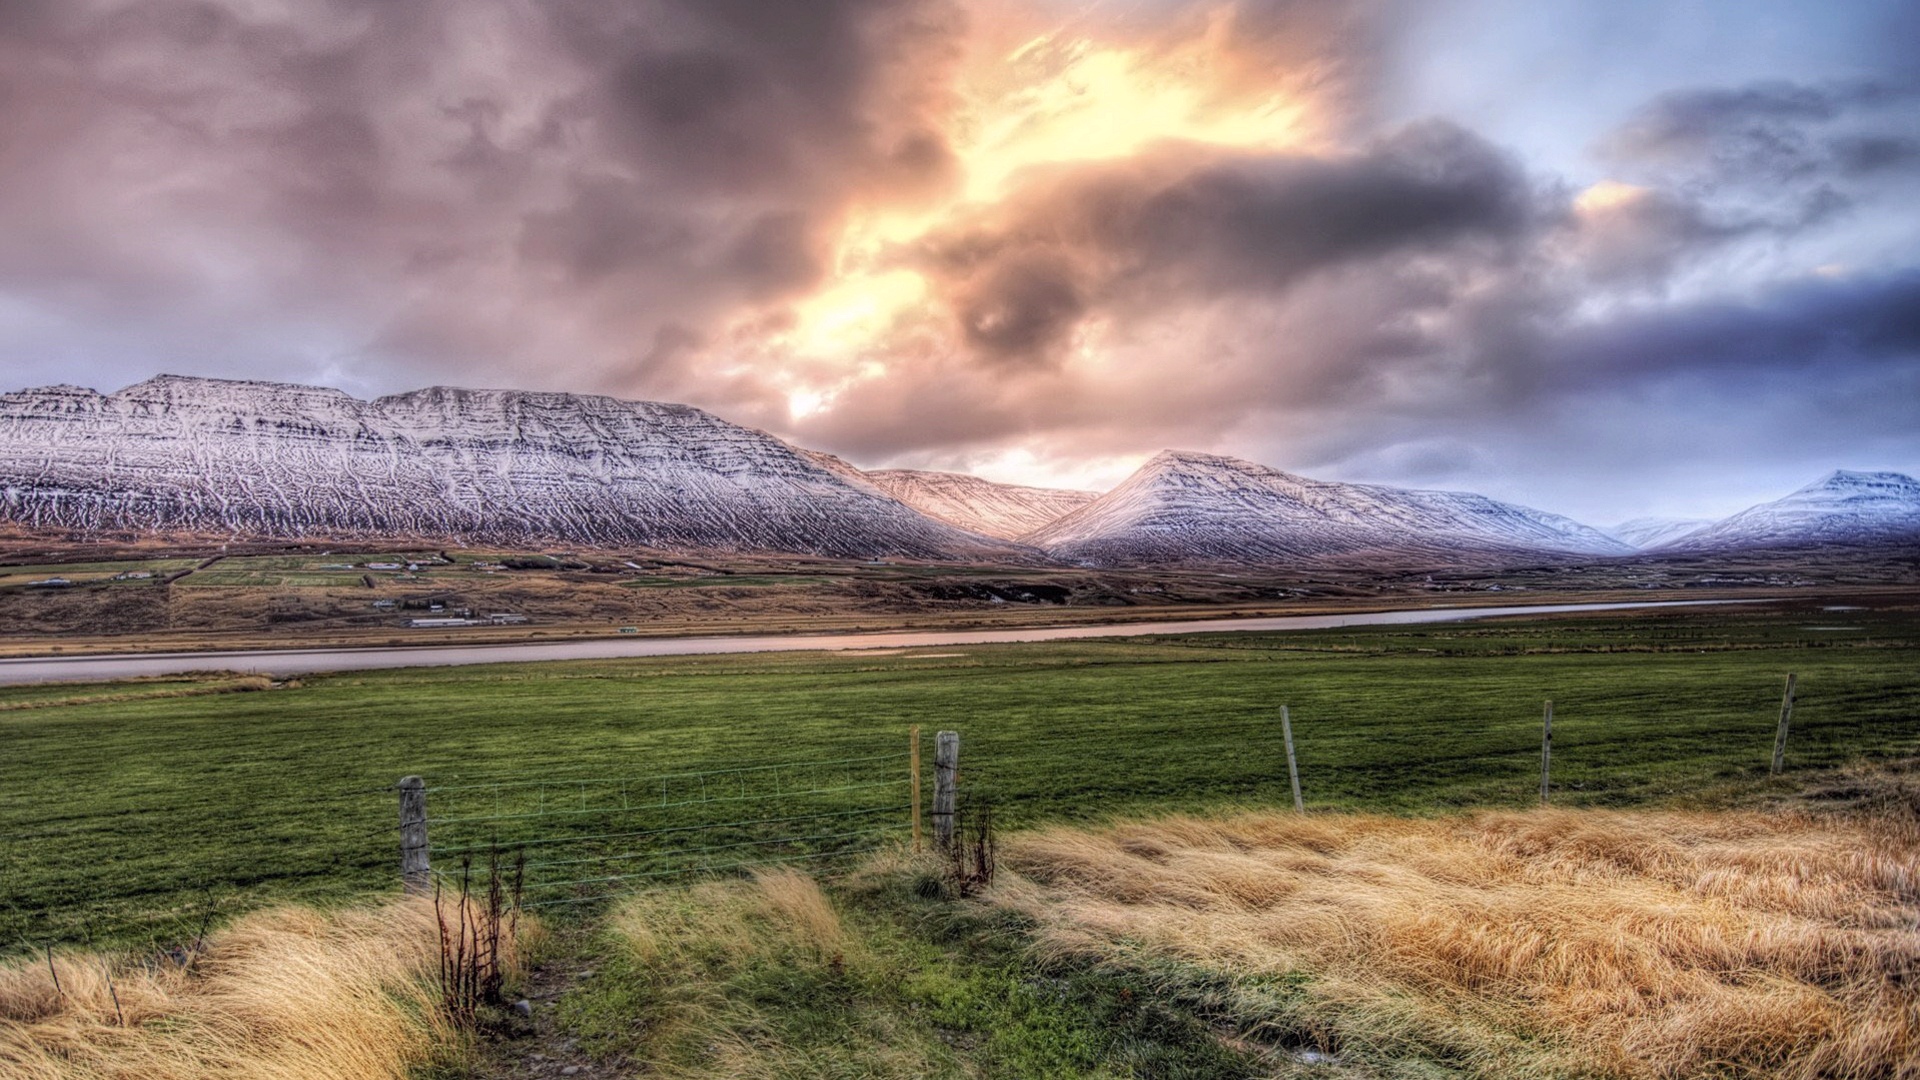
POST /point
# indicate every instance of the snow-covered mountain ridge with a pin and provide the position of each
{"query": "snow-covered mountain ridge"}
(1185, 507)
(1841, 508)
(221, 456)
(208, 456)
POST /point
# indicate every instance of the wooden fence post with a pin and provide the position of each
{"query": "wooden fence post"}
(414, 877)
(1293, 769)
(1546, 752)
(946, 769)
(913, 773)
(1780, 737)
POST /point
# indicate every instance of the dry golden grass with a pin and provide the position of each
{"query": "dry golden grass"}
(240, 685)
(288, 994)
(776, 912)
(1525, 944)
(706, 968)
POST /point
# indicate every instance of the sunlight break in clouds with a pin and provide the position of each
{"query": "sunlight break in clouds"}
(1060, 97)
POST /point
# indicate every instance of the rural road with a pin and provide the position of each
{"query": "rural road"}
(285, 662)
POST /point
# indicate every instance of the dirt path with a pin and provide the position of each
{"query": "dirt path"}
(533, 1044)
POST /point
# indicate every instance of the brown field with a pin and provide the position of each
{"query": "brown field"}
(208, 594)
(1548, 943)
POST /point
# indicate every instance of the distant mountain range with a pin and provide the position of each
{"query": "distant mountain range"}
(253, 459)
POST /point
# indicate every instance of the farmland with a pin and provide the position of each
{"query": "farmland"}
(222, 792)
(190, 595)
(154, 812)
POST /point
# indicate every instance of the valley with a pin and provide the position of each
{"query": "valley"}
(143, 596)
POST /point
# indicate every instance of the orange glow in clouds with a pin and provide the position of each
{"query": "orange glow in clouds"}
(1058, 98)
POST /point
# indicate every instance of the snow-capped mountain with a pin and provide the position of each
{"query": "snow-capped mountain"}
(266, 459)
(1189, 507)
(1007, 511)
(1842, 508)
(1651, 532)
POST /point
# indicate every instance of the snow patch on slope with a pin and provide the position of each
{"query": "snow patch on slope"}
(1008, 511)
(1652, 532)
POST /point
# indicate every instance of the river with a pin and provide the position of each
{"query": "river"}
(285, 662)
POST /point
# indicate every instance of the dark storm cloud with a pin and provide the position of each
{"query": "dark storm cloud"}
(1021, 306)
(1819, 146)
(1827, 328)
(1637, 237)
(1185, 225)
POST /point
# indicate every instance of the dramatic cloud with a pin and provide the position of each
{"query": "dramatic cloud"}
(1180, 225)
(1007, 234)
(1777, 131)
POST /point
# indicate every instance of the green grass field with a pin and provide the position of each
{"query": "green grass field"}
(160, 799)
(91, 572)
(266, 571)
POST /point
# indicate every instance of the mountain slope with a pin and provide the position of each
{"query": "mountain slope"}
(1842, 508)
(1187, 507)
(1008, 511)
(250, 458)
(1652, 532)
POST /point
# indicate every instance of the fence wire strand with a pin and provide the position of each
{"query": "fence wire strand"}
(661, 831)
(481, 819)
(679, 852)
(715, 868)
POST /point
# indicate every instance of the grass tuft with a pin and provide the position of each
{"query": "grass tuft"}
(1550, 942)
(285, 994)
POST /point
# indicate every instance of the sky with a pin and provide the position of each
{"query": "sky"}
(1610, 258)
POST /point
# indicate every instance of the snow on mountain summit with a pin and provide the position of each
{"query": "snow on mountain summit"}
(1183, 506)
(507, 466)
(1844, 507)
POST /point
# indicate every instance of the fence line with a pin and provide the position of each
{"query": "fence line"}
(652, 836)
(473, 849)
(657, 777)
(656, 874)
(631, 855)
(641, 828)
(630, 807)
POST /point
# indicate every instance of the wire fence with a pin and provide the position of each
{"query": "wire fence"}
(585, 839)
(155, 876)
(160, 874)
(153, 867)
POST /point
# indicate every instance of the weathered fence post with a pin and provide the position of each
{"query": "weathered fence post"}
(1546, 752)
(413, 834)
(1293, 769)
(946, 771)
(913, 773)
(1780, 737)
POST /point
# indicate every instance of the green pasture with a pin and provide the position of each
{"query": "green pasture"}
(91, 572)
(157, 800)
